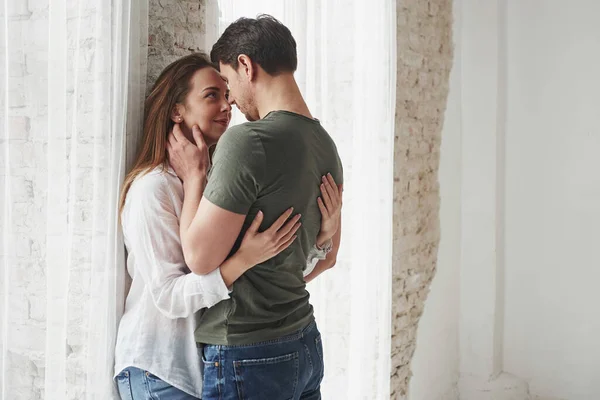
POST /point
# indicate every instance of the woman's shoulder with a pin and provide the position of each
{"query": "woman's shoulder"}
(151, 179)
(152, 184)
(149, 199)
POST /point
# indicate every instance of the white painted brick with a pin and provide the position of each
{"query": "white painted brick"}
(36, 6)
(16, 94)
(19, 127)
(37, 308)
(18, 305)
(16, 68)
(21, 375)
(31, 336)
(21, 187)
(18, 9)
(35, 35)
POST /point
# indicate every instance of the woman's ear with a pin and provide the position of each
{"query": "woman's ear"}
(176, 113)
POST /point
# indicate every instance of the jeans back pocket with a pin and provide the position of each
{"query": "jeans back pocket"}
(267, 378)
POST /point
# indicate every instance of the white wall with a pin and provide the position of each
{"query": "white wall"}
(520, 187)
(435, 362)
(552, 298)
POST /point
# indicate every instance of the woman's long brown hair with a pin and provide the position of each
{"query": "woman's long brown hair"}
(171, 88)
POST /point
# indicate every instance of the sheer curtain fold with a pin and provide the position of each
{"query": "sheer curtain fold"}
(346, 71)
(73, 76)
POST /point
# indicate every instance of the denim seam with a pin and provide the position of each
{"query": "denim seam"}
(319, 342)
(239, 384)
(297, 362)
(147, 385)
(220, 374)
(307, 350)
(127, 383)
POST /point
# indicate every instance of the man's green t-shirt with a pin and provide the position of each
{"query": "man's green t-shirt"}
(269, 165)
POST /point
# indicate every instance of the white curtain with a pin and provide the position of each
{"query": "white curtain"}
(347, 70)
(72, 73)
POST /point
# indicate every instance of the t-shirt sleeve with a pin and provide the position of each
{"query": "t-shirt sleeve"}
(238, 170)
(337, 170)
(339, 179)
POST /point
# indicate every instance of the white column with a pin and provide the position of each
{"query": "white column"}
(482, 53)
(483, 62)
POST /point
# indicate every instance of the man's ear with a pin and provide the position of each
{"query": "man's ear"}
(246, 67)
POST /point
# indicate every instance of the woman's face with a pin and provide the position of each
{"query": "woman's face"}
(206, 105)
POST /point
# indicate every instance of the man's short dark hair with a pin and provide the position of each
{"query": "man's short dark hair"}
(265, 40)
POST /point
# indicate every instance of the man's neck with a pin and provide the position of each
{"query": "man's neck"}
(281, 93)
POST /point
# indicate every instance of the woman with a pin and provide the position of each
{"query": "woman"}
(156, 355)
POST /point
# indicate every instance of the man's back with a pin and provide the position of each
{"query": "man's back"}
(269, 165)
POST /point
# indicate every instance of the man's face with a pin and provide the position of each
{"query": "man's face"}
(240, 91)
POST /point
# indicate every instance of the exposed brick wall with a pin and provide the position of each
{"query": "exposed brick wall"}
(175, 28)
(424, 53)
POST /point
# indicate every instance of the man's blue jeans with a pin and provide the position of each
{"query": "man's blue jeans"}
(288, 368)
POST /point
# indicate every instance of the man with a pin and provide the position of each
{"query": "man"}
(263, 343)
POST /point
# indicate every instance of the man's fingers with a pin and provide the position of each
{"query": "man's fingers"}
(178, 134)
(172, 140)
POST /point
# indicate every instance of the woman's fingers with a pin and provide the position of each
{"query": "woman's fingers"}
(253, 228)
(332, 190)
(324, 212)
(325, 196)
(281, 220)
(285, 245)
(289, 234)
(288, 227)
(334, 186)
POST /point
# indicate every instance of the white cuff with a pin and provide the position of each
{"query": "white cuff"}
(210, 287)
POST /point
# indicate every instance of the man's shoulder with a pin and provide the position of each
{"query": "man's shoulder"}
(243, 129)
(242, 136)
